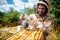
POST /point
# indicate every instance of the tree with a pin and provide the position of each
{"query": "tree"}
(1, 16)
(29, 11)
(8, 18)
(55, 10)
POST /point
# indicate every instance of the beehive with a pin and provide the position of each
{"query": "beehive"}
(27, 34)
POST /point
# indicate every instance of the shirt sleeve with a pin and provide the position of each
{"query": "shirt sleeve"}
(49, 24)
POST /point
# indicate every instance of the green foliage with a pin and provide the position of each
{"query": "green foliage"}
(10, 17)
(29, 11)
(1, 16)
(13, 15)
(55, 10)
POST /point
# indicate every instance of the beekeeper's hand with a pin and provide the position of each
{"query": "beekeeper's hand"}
(25, 24)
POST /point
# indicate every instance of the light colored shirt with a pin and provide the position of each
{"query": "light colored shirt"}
(46, 25)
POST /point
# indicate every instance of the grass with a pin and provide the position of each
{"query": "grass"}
(53, 35)
(5, 35)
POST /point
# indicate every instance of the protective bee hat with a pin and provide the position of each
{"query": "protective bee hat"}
(44, 2)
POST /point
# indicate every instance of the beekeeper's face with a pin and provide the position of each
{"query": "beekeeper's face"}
(41, 9)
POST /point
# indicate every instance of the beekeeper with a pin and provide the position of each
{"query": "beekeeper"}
(41, 19)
